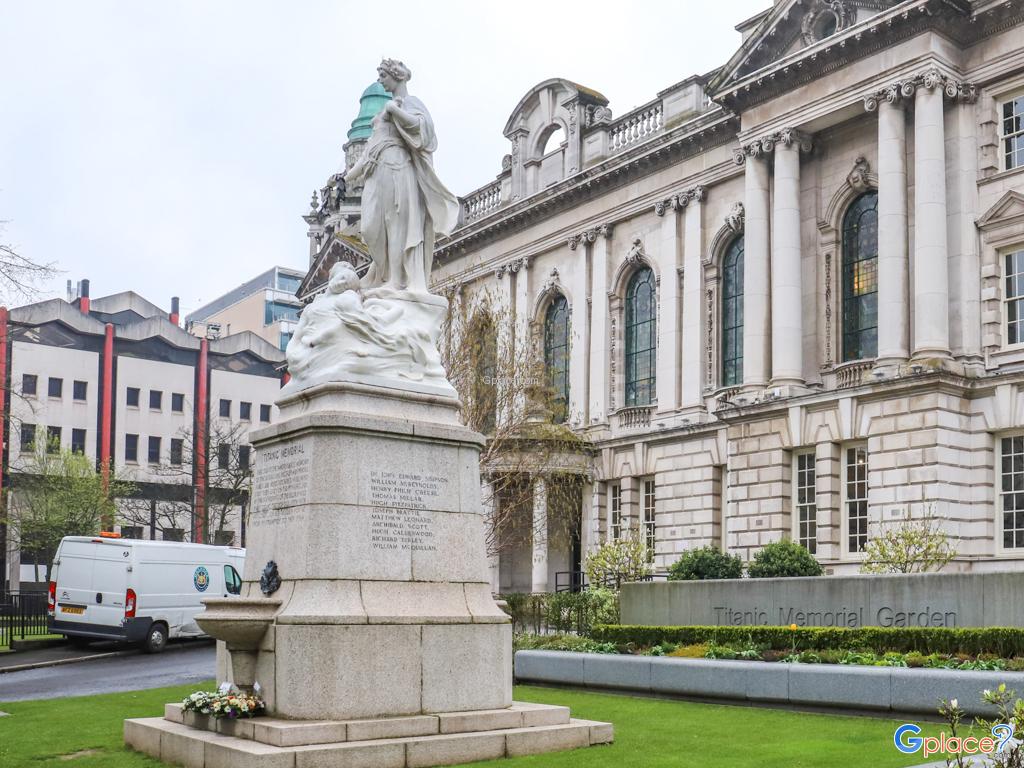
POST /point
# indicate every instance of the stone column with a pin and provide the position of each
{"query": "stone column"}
(588, 520)
(667, 383)
(693, 243)
(893, 268)
(931, 270)
(599, 325)
(523, 318)
(580, 332)
(506, 334)
(539, 582)
(787, 290)
(965, 286)
(756, 339)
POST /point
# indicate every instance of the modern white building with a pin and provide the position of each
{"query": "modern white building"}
(116, 379)
(782, 299)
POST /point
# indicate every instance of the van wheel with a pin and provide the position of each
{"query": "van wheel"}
(156, 639)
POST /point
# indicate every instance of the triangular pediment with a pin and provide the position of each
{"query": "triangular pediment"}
(789, 27)
(1007, 208)
(339, 247)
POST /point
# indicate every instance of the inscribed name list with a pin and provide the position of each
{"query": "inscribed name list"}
(280, 482)
(399, 519)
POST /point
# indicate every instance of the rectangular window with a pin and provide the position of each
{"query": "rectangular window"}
(53, 439)
(857, 498)
(177, 449)
(154, 450)
(224, 456)
(156, 399)
(244, 411)
(131, 448)
(648, 518)
(244, 452)
(225, 408)
(28, 438)
(1011, 491)
(285, 339)
(265, 413)
(131, 532)
(1013, 296)
(131, 397)
(78, 390)
(275, 310)
(78, 441)
(174, 534)
(615, 511)
(1012, 133)
(177, 402)
(805, 502)
(55, 387)
(29, 382)
(224, 538)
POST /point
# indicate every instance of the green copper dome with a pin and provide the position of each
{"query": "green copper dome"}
(370, 104)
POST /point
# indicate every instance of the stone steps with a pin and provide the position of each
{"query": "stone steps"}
(416, 741)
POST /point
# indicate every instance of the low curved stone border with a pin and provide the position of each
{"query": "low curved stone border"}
(887, 689)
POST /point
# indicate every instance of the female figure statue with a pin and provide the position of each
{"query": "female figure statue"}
(404, 203)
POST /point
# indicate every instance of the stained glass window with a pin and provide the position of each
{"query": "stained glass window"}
(641, 338)
(732, 314)
(556, 356)
(860, 279)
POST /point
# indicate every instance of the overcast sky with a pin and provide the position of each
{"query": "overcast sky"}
(171, 148)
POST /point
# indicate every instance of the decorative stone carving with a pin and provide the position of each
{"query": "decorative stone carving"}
(858, 177)
(522, 263)
(816, 19)
(931, 78)
(735, 219)
(709, 337)
(680, 201)
(574, 240)
(606, 230)
(828, 309)
(601, 116)
(790, 136)
(552, 284)
(636, 252)
(506, 162)
(270, 579)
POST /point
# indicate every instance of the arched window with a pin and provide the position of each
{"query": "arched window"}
(641, 338)
(732, 314)
(860, 278)
(556, 356)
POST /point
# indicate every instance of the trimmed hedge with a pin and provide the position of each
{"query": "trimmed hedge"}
(1006, 642)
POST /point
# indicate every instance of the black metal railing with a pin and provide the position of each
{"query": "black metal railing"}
(22, 615)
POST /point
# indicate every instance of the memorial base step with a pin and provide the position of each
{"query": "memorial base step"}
(416, 741)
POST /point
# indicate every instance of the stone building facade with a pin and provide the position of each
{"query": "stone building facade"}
(792, 283)
(791, 288)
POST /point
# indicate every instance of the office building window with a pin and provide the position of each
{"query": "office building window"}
(805, 501)
(131, 532)
(244, 410)
(177, 449)
(177, 402)
(265, 413)
(53, 439)
(154, 450)
(131, 448)
(1011, 491)
(856, 488)
(244, 453)
(28, 438)
(224, 538)
(174, 534)
(79, 389)
(615, 511)
(131, 397)
(156, 399)
(55, 387)
(78, 441)
(648, 518)
(225, 408)
(224, 456)
(29, 383)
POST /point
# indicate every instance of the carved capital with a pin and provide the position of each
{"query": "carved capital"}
(501, 271)
(697, 194)
(793, 136)
(589, 236)
(574, 240)
(661, 206)
(606, 230)
(739, 156)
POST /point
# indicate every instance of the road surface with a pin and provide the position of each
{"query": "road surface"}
(188, 663)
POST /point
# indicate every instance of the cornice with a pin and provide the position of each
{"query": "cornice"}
(708, 131)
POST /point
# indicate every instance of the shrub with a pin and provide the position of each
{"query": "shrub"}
(1004, 642)
(783, 558)
(561, 643)
(705, 563)
(698, 651)
(579, 611)
(619, 561)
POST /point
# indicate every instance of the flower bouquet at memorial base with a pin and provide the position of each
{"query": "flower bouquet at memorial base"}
(228, 703)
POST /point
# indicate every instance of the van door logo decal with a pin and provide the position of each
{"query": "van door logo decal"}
(201, 579)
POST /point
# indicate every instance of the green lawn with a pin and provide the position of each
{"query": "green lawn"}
(86, 733)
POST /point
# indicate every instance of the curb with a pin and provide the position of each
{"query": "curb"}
(92, 657)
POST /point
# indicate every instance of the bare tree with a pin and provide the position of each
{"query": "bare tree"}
(20, 276)
(503, 385)
(229, 483)
(909, 545)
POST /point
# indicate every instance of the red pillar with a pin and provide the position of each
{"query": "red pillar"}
(106, 412)
(199, 440)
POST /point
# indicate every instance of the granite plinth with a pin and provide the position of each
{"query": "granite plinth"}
(197, 741)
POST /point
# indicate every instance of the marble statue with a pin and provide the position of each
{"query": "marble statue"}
(386, 325)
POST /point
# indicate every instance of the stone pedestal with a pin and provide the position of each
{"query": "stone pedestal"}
(367, 500)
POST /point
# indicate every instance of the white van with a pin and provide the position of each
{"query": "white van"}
(138, 591)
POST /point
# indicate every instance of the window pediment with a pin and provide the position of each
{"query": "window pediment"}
(1007, 212)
